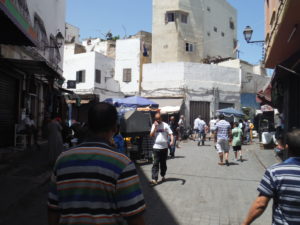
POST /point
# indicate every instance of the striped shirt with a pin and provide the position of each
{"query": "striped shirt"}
(282, 183)
(93, 184)
(223, 128)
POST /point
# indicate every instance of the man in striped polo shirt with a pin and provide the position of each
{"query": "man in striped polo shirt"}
(281, 182)
(93, 183)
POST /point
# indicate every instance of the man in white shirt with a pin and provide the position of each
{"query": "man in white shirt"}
(196, 125)
(201, 131)
(160, 131)
(212, 127)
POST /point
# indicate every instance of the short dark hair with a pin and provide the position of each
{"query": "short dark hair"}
(293, 141)
(221, 117)
(236, 124)
(102, 117)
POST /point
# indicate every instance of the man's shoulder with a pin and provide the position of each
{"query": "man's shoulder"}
(97, 150)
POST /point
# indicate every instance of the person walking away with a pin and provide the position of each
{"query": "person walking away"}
(237, 135)
(196, 125)
(212, 127)
(223, 133)
(280, 183)
(55, 139)
(201, 131)
(173, 126)
(247, 131)
(160, 132)
(181, 126)
(251, 126)
(93, 183)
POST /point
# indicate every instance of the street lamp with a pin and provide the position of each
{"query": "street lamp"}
(59, 39)
(248, 31)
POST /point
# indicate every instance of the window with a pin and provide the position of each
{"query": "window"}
(208, 33)
(52, 50)
(126, 75)
(189, 47)
(184, 18)
(235, 43)
(208, 8)
(80, 76)
(223, 34)
(170, 17)
(39, 27)
(215, 29)
(231, 24)
(98, 76)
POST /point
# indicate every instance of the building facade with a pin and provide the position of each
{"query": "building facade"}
(30, 64)
(92, 72)
(283, 55)
(193, 30)
(131, 55)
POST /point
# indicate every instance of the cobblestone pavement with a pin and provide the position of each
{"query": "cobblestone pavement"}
(198, 191)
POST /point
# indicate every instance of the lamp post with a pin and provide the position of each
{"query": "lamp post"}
(248, 32)
(59, 39)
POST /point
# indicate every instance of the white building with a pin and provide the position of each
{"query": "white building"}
(131, 54)
(31, 62)
(72, 34)
(203, 88)
(105, 47)
(92, 71)
(192, 30)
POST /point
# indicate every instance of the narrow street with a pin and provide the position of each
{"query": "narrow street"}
(198, 191)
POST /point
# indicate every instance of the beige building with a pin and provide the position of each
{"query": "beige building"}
(192, 30)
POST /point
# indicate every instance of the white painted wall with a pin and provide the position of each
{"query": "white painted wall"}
(72, 32)
(192, 82)
(53, 15)
(128, 57)
(258, 75)
(90, 61)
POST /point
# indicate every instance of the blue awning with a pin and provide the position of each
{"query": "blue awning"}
(229, 112)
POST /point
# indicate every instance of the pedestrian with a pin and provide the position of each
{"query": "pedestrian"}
(201, 131)
(247, 131)
(251, 127)
(181, 126)
(196, 125)
(237, 135)
(31, 130)
(223, 133)
(212, 127)
(93, 183)
(160, 132)
(281, 183)
(55, 139)
(119, 141)
(173, 125)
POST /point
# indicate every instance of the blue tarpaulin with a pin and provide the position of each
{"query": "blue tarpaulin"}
(137, 101)
(132, 102)
(229, 112)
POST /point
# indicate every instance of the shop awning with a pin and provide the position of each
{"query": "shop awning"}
(264, 96)
(32, 67)
(169, 105)
(15, 28)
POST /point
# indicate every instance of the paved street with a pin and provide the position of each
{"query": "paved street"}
(198, 191)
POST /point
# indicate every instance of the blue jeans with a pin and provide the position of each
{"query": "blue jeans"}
(172, 148)
(201, 137)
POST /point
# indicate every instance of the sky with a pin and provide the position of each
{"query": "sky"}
(127, 17)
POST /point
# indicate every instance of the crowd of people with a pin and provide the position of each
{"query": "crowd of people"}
(94, 183)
